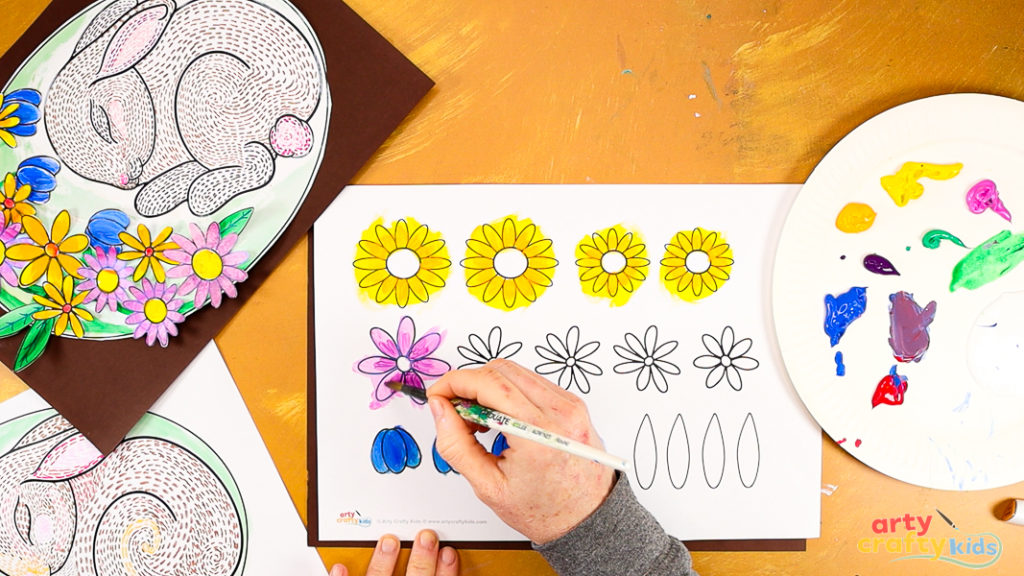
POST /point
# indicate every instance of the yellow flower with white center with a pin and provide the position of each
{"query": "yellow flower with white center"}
(509, 263)
(612, 264)
(696, 264)
(402, 263)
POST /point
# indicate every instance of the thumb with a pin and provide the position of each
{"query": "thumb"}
(459, 447)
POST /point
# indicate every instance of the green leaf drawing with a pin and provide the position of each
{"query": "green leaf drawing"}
(34, 343)
(235, 223)
(17, 320)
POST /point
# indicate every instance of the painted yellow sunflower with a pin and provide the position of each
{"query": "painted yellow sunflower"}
(402, 263)
(15, 200)
(63, 304)
(51, 252)
(696, 264)
(612, 264)
(511, 258)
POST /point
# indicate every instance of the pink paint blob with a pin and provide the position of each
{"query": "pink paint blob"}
(985, 196)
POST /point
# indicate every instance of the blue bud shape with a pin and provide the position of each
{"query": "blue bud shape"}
(500, 444)
(393, 451)
(104, 226)
(25, 95)
(440, 463)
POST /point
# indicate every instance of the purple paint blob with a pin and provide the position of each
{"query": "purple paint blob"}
(842, 310)
(908, 327)
(879, 265)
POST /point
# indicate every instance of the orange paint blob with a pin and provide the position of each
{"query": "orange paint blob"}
(855, 217)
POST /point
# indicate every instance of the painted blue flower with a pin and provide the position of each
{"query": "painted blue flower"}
(440, 463)
(394, 450)
(500, 444)
(19, 113)
(105, 226)
(40, 174)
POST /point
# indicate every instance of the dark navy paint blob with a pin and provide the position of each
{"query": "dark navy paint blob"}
(393, 451)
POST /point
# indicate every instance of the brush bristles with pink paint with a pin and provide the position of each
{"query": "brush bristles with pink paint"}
(477, 414)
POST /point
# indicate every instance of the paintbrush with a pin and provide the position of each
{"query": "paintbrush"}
(510, 426)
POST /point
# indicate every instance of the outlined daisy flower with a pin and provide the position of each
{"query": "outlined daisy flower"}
(569, 360)
(16, 203)
(696, 264)
(154, 312)
(19, 113)
(612, 263)
(148, 251)
(403, 358)
(51, 252)
(509, 263)
(208, 264)
(105, 279)
(62, 304)
(647, 359)
(401, 264)
(480, 352)
(725, 359)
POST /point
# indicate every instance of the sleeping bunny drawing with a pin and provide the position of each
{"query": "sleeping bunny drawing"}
(190, 103)
(149, 507)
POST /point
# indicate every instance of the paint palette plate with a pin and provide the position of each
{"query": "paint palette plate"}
(957, 424)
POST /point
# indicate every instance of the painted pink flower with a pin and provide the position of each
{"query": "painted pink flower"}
(8, 235)
(105, 279)
(154, 311)
(403, 359)
(207, 264)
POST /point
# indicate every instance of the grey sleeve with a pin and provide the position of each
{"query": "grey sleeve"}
(621, 537)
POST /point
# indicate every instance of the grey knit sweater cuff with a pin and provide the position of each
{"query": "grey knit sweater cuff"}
(621, 537)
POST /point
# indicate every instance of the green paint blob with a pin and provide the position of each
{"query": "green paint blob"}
(932, 238)
(989, 261)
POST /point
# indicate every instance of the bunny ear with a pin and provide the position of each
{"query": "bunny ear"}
(72, 457)
(103, 21)
(135, 38)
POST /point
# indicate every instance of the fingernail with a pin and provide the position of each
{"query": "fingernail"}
(448, 556)
(338, 570)
(427, 539)
(388, 545)
(437, 409)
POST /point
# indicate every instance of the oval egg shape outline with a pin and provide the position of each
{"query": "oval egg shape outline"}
(677, 453)
(748, 452)
(713, 453)
(645, 454)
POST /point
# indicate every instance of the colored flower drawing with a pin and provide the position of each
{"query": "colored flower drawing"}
(404, 358)
(696, 264)
(19, 113)
(401, 264)
(154, 312)
(105, 279)
(480, 352)
(207, 264)
(9, 232)
(568, 359)
(612, 264)
(62, 304)
(51, 252)
(647, 359)
(16, 203)
(148, 251)
(509, 263)
(39, 173)
(725, 359)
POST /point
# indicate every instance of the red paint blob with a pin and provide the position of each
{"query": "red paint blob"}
(890, 389)
(857, 443)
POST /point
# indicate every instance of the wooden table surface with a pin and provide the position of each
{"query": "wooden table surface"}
(648, 92)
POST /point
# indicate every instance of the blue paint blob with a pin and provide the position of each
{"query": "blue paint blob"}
(440, 463)
(393, 451)
(500, 444)
(842, 310)
(840, 367)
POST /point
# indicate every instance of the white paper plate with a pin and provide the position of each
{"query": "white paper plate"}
(962, 420)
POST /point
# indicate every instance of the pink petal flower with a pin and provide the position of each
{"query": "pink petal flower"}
(376, 365)
(425, 346)
(433, 367)
(384, 342)
(406, 335)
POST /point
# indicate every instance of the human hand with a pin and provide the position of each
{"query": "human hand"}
(426, 558)
(538, 490)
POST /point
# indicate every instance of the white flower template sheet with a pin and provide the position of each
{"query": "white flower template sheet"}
(681, 376)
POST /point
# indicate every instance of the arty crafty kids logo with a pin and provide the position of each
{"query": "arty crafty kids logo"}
(916, 537)
(353, 518)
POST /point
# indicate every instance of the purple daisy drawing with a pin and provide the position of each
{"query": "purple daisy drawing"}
(8, 235)
(207, 264)
(154, 311)
(105, 278)
(404, 359)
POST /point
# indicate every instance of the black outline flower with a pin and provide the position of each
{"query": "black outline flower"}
(480, 352)
(726, 359)
(569, 358)
(647, 359)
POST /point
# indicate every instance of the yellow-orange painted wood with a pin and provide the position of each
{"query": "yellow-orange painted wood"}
(646, 91)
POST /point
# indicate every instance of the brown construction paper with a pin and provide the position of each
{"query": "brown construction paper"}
(373, 87)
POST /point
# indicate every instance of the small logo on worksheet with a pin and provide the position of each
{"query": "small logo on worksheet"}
(354, 518)
(914, 537)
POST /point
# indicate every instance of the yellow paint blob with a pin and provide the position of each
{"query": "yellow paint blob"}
(903, 186)
(855, 217)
